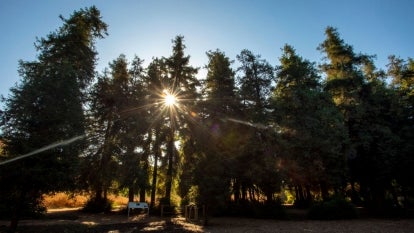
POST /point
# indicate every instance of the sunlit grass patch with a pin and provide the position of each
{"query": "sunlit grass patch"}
(64, 200)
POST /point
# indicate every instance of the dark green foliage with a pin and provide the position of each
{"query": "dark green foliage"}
(370, 115)
(30, 207)
(332, 209)
(312, 133)
(255, 84)
(182, 82)
(241, 139)
(402, 73)
(220, 90)
(119, 129)
(46, 108)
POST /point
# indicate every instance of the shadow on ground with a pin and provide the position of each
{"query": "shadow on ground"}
(155, 227)
(117, 222)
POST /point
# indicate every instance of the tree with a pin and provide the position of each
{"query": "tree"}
(205, 153)
(311, 128)
(402, 84)
(364, 102)
(182, 83)
(47, 107)
(138, 122)
(255, 84)
(345, 82)
(115, 99)
(154, 85)
(220, 90)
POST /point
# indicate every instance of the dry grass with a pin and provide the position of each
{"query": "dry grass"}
(64, 200)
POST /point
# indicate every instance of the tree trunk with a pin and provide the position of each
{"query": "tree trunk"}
(296, 193)
(156, 151)
(251, 194)
(131, 193)
(236, 192)
(142, 194)
(105, 194)
(168, 182)
(154, 181)
(15, 217)
(243, 192)
(98, 192)
(145, 166)
(308, 194)
(269, 197)
(324, 190)
(300, 192)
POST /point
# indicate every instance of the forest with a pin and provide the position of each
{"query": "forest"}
(251, 137)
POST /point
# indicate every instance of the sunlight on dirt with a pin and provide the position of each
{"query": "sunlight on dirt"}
(187, 225)
(155, 226)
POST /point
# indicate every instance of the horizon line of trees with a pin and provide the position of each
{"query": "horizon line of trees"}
(240, 135)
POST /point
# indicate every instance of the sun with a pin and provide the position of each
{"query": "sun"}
(169, 99)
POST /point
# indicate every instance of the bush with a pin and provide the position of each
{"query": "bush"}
(336, 208)
(28, 208)
(94, 205)
(302, 204)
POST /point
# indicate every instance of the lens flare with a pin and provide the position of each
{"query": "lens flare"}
(169, 99)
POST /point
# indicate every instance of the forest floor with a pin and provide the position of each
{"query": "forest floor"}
(72, 220)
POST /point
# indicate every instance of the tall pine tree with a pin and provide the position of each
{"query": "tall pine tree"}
(47, 107)
(311, 127)
(182, 83)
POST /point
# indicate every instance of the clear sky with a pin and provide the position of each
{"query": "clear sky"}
(146, 28)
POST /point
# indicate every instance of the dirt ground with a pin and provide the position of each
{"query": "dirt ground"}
(70, 220)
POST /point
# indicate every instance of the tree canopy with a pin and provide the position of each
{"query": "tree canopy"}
(248, 135)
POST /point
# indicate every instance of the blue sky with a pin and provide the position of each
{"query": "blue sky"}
(146, 28)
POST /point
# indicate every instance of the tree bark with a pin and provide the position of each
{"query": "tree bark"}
(154, 181)
(142, 194)
(15, 217)
(156, 151)
(131, 193)
(168, 182)
(324, 190)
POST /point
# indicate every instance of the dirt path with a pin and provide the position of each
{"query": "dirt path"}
(230, 225)
(72, 220)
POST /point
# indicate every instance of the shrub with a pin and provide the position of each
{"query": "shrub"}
(94, 205)
(28, 208)
(302, 204)
(336, 208)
